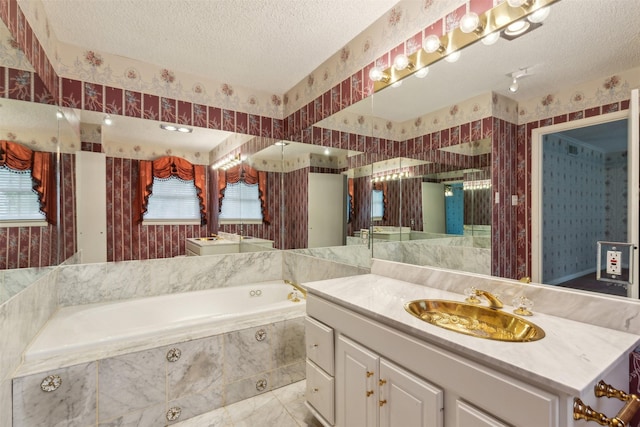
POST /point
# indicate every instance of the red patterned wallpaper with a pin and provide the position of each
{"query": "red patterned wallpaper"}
(296, 207)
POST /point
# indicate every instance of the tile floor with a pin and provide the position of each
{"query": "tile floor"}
(282, 407)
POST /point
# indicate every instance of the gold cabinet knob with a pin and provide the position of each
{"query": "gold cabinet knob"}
(382, 382)
(369, 393)
(382, 402)
(369, 374)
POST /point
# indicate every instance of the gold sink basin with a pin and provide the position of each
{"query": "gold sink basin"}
(475, 320)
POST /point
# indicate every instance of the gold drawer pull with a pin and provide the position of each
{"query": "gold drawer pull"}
(369, 393)
(316, 389)
(369, 374)
(382, 402)
(382, 382)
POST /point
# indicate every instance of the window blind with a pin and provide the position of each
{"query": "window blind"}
(241, 202)
(18, 201)
(173, 198)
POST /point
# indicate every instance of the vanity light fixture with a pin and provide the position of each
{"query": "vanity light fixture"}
(327, 151)
(107, 120)
(487, 27)
(174, 128)
(514, 86)
(227, 162)
(390, 177)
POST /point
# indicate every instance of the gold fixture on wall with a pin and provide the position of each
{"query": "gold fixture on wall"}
(581, 411)
(436, 48)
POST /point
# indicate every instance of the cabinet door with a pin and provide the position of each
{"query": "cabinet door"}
(357, 385)
(407, 400)
(468, 416)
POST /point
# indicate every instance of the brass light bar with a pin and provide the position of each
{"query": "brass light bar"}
(495, 19)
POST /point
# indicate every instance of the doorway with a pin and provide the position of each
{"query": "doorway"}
(582, 173)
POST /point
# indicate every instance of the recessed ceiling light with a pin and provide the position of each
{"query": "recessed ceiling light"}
(108, 121)
(281, 144)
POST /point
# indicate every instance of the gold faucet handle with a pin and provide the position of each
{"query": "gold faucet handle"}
(603, 389)
(471, 295)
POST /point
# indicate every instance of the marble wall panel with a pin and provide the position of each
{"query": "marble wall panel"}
(247, 353)
(72, 404)
(287, 342)
(131, 382)
(153, 416)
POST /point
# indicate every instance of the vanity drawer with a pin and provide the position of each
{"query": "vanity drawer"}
(319, 342)
(319, 392)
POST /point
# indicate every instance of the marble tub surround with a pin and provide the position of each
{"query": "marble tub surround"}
(352, 255)
(607, 311)
(100, 282)
(15, 280)
(570, 358)
(457, 253)
(21, 317)
(196, 376)
(307, 265)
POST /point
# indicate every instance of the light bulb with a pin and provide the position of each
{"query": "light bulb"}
(516, 3)
(422, 72)
(107, 120)
(539, 15)
(452, 57)
(514, 86)
(376, 74)
(397, 84)
(469, 22)
(432, 43)
(490, 39)
(401, 62)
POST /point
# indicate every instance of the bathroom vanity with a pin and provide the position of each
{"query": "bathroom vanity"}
(371, 363)
(228, 245)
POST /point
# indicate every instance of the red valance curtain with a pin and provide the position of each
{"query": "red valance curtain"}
(248, 175)
(166, 167)
(382, 186)
(18, 157)
(351, 193)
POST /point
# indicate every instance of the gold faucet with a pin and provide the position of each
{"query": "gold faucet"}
(293, 296)
(494, 302)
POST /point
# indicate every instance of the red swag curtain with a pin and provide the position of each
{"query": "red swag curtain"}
(166, 167)
(249, 175)
(18, 157)
(351, 193)
(382, 186)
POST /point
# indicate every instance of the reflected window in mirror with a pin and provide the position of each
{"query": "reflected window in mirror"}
(18, 201)
(174, 181)
(27, 186)
(242, 195)
(241, 203)
(173, 199)
(377, 205)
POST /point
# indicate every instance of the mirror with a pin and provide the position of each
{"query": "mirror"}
(29, 252)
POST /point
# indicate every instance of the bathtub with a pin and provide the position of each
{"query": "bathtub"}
(95, 329)
(151, 360)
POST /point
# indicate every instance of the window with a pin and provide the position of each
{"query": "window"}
(173, 200)
(241, 203)
(377, 204)
(18, 201)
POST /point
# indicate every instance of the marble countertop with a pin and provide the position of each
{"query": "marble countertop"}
(571, 358)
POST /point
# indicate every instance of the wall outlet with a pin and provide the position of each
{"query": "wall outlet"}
(614, 262)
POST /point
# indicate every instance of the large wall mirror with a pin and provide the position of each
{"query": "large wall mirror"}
(437, 178)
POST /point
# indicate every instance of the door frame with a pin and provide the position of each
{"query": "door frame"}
(536, 181)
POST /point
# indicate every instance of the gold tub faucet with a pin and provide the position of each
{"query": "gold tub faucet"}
(293, 296)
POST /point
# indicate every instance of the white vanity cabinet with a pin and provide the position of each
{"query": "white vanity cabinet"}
(388, 378)
(372, 391)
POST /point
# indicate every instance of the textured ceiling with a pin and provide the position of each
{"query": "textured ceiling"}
(268, 45)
